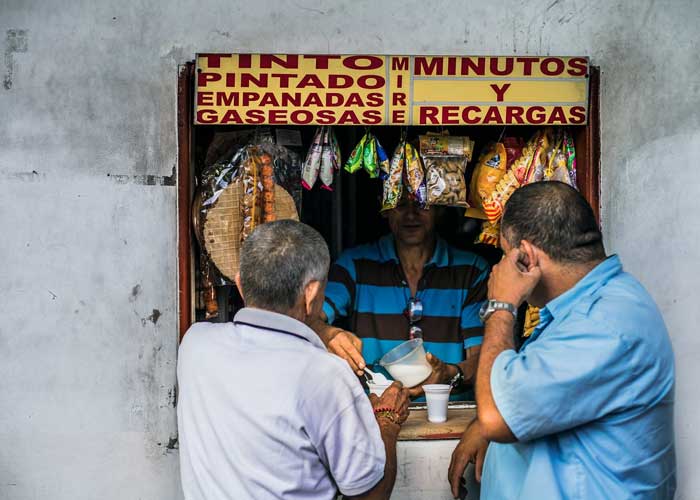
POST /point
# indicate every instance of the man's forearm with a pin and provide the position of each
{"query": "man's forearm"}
(382, 490)
(498, 337)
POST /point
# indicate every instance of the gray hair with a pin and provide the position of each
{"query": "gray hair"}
(278, 260)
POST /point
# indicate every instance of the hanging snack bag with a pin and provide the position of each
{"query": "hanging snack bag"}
(445, 158)
(490, 169)
(327, 170)
(354, 162)
(393, 178)
(312, 165)
(489, 233)
(415, 175)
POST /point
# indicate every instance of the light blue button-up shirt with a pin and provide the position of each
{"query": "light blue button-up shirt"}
(589, 397)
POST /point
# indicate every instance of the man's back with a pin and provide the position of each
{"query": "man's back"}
(590, 398)
(263, 410)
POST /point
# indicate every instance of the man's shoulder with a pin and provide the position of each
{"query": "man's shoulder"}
(460, 257)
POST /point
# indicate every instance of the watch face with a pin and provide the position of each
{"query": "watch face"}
(483, 309)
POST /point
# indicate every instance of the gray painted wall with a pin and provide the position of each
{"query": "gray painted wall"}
(88, 334)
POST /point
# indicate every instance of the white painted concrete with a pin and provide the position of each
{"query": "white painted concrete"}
(85, 375)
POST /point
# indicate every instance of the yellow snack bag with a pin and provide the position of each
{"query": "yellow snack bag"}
(490, 169)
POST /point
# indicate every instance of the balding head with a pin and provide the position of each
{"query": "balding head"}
(556, 218)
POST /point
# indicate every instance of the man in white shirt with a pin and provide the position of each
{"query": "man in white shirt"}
(264, 411)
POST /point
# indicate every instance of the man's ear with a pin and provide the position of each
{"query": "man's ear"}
(529, 254)
(311, 293)
(237, 280)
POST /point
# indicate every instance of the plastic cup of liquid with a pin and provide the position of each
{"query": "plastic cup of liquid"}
(437, 396)
(406, 363)
(378, 389)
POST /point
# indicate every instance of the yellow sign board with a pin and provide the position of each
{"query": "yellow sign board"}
(294, 89)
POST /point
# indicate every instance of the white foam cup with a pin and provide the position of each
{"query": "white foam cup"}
(437, 396)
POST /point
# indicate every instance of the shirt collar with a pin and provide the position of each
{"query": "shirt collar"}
(590, 283)
(440, 257)
(275, 321)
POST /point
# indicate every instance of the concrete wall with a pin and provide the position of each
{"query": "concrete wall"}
(88, 254)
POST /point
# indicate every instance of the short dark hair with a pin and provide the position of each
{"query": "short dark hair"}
(557, 219)
(278, 260)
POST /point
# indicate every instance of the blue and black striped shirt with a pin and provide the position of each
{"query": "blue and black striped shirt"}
(367, 287)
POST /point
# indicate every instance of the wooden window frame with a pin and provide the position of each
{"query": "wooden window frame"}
(587, 141)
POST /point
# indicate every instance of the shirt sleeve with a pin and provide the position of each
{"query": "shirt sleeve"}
(345, 432)
(471, 328)
(563, 379)
(340, 290)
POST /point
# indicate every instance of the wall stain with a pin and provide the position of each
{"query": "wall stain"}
(145, 180)
(153, 318)
(15, 42)
(135, 292)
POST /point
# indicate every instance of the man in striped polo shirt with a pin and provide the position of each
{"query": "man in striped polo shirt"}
(409, 283)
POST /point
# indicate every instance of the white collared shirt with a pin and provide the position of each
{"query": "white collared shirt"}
(265, 412)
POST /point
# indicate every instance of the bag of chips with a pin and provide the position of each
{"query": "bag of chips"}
(445, 180)
(490, 169)
(393, 177)
(489, 233)
(415, 175)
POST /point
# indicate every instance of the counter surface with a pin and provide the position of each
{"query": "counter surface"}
(417, 426)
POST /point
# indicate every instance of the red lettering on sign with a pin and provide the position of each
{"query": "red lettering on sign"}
(422, 67)
(277, 117)
(269, 99)
(310, 81)
(557, 116)
(399, 63)
(231, 116)
(354, 99)
(493, 115)
(249, 97)
(339, 81)
(535, 115)
(348, 116)
(260, 81)
(290, 61)
(363, 81)
(451, 66)
(514, 114)
(527, 64)
(372, 62)
(371, 117)
(578, 115)
(205, 98)
(375, 99)
(428, 114)
(558, 66)
(230, 79)
(291, 99)
(301, 117)
(500, 91)
(450, 115)
(325, 117)
(578, 66)
(255, 116)
(213, 60)
(204, 78)
(494, 66)
(313, 100)
(399, 81)
(226, 98)
(477, 68)
(283, 79)
(398, 99)
(333, 99)
(245, 61)
(398, 116)
(466, 114)
(321, 61)
(206, 116)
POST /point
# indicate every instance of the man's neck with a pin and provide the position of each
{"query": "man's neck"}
(414, 257)
(567, 277)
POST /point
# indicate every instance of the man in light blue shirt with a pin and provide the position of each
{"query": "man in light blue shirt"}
(584, 410)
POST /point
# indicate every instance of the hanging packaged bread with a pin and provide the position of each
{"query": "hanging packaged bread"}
(237, 198)
(445, 160)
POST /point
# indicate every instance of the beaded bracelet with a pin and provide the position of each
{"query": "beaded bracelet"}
(388, 413)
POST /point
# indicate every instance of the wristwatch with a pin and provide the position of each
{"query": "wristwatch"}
(492, 306)
(458, 379)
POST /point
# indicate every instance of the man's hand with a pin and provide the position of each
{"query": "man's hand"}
(513, 279)
(471, 449)
(349, 347)
(395, 398)
(442, 374)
